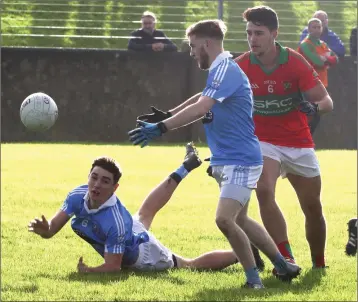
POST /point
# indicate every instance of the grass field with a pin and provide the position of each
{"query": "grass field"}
(37, 177)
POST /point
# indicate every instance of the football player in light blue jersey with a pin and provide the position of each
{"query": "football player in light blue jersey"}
(123, 240)
(236, 160)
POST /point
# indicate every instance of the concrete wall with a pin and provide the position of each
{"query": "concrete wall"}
(100, 92)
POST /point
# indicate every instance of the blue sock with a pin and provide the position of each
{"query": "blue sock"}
(179, 174)
(252, 276)
(280, 263)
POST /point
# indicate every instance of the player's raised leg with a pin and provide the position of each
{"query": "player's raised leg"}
(308, 191)
(270, 212)
(161, 194)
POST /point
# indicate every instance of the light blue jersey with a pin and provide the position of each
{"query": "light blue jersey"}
(229, 125)
(107, 229)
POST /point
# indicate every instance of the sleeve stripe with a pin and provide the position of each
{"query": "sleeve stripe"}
(120, 225)
(219, 71)
(219, 75)
(117, 249)
(117, 223)
(210, 92)
(120, 219)
(116, 219)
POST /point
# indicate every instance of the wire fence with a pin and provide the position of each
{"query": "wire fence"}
(109, 23)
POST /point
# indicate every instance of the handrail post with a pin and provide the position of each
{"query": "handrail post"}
(221, 9)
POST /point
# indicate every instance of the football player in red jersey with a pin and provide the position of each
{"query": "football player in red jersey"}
(286, 91)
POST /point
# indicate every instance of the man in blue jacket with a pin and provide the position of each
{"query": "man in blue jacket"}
(328, 36)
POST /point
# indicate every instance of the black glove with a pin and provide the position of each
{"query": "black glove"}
(308, 108)
(209, 170)
(155, 117)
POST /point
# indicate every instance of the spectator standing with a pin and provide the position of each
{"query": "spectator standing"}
(318, 54)
(148, 38)
(331, 38)
(316, 51)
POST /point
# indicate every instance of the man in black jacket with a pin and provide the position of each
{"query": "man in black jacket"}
(148, 38)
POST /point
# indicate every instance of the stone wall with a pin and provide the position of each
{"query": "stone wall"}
(100, 92)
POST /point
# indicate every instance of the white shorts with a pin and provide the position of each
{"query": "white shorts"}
(298, 161)
(153, 256)
(237, 182)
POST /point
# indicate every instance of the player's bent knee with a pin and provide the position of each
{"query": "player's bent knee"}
(224, 224)
(241, 221)
(313, 209)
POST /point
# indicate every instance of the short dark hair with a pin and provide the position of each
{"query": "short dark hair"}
(214, 29)
(262, 16)
(110, 165)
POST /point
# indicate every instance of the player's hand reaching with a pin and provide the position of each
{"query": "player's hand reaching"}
(81, 266)
(39, 227)
(308, 108)
(155, 117)
(146, 132)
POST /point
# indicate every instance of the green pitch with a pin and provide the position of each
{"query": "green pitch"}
(35, 179)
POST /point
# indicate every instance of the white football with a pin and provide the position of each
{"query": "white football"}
(38, 112)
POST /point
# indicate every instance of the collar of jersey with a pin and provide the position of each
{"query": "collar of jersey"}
(109, 203)
(222, 56)
(282, 58)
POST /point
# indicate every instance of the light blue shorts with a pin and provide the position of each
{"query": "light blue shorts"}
(237, 182)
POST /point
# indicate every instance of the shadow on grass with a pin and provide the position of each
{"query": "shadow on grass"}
(20, 287)
(122, 276)
(305, 283)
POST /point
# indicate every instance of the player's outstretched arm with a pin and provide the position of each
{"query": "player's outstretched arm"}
(47, 229)
(158, 115)
(112, 264)
(190, 114)
(146, 132)
(162, 193)
(185, 104)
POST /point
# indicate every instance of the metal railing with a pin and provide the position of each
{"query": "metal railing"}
(38, 20)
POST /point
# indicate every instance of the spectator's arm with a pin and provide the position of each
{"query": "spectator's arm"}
(311, 55)
(168, 44)
(303, 34)
(353, 42)
(135, 44)
(336, 45)
(332, 59)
